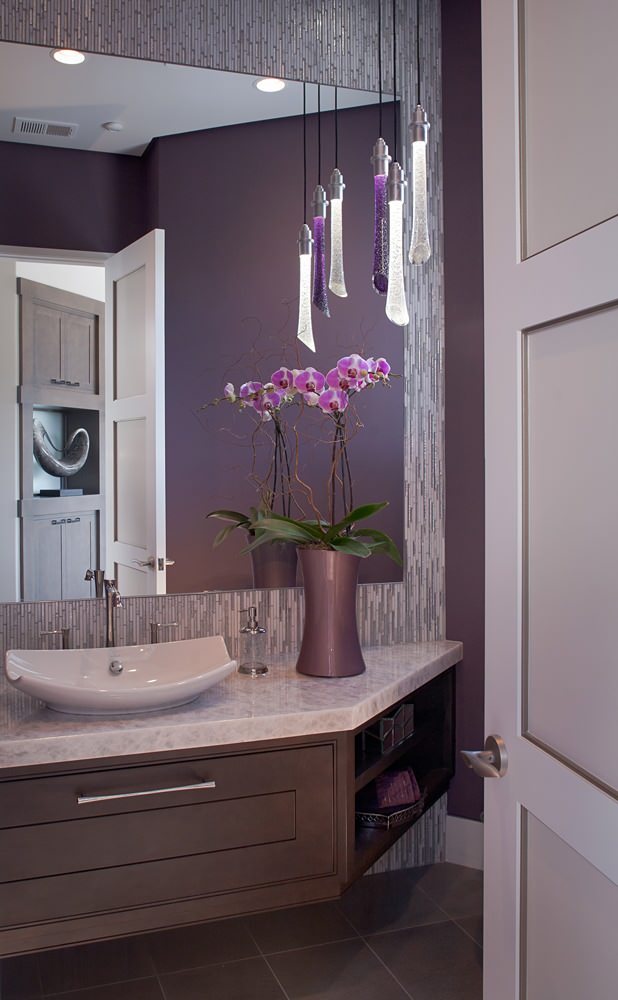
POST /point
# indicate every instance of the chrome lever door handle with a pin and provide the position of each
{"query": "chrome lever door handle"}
(492, 762)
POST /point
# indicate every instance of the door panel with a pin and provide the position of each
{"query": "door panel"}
(570, 558)
(130, 350)
(135, 415)
(130, 474)
(551, 489)
(564, 895)
(46, 357)
(79, 552)
(570, 155)
(79, 354)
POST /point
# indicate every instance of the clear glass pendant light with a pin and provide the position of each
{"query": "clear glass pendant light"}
(304, 331)
(420, 247)
(396, 305)
(380, 161)
(305, 326)
(336, 281)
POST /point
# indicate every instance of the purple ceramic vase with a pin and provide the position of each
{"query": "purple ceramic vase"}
(330, 646)
(274, 565)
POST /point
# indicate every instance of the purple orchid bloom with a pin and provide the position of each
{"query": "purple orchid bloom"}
(250, 390)
(354, 368)
(270, 399)
(333, 401)
(229, 392)
(311, 398)
(337, 381)
(378, 370)
(309, 380)
(283, 379)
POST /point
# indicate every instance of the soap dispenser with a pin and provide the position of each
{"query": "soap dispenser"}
(252, 646)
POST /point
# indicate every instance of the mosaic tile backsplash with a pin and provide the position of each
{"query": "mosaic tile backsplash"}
(318, 41)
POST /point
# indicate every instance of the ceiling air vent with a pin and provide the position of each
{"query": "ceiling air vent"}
(37, 126)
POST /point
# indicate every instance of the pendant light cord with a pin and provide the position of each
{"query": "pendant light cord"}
(395, 78)
(319, 134)
(418, 51)
(305, 151)
(336, 130)
(380, 64)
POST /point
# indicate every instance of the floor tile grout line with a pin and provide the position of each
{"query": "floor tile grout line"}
(268, 965)
(96, 986)
(388, 969)
(463, 929)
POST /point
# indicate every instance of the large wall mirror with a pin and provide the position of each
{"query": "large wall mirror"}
(94, 157)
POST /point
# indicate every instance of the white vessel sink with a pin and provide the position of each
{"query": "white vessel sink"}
(120, 680)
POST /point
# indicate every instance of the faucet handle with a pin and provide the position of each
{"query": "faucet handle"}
(155, 628)
(64, 632)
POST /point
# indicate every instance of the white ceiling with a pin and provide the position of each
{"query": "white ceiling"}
(150, 99)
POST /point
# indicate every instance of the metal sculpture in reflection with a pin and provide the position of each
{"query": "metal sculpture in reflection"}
(65, 461)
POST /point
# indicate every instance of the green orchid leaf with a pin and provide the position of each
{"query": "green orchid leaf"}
(230, 515)
(351, 546)
(382, 542)
(358, 514)
(309, 530)
(223, 534)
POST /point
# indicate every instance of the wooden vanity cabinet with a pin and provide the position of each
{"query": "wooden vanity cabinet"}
(121, 846)
(86, 854)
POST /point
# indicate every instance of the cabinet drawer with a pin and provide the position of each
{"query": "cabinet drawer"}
(30, 801)
(270, 819)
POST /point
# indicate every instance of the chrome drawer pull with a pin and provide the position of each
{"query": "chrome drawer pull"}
(83, 800)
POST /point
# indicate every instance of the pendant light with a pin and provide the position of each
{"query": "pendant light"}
(319, 205)
(305, 243)
(336, 281)
(380, 162)
(420, 248)
(396, 306)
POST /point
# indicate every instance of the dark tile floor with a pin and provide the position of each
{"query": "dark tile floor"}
(413, 934)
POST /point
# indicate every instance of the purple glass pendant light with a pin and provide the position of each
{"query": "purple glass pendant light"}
(319, 205)
(380, 162)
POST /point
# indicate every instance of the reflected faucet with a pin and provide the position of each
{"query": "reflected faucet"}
(98, 575)
(112, 600)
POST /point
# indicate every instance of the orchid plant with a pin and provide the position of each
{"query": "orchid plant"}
(330, 393)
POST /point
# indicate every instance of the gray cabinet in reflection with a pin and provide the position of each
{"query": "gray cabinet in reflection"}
(57, 551)
(59, 338)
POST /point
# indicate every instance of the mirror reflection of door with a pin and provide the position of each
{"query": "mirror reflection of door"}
(54, 527)
(59, 348)
(135, 416)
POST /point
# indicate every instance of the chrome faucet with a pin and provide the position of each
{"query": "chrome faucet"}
(156, 627)
(98, 575)
(65, 632)
(112, 600)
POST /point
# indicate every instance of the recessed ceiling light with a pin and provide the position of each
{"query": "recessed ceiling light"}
(113, 126)
(270, 84)
(68, 57)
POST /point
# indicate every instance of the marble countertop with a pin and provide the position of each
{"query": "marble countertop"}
(238, 710)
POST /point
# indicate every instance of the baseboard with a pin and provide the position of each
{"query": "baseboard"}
(464, 842)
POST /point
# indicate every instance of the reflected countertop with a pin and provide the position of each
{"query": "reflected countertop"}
(240, 709)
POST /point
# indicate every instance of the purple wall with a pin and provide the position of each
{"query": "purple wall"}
(230, 201)
(463, 276)
(70, 199)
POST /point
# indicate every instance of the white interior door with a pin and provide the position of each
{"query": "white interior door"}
(550, 76)
(135, 416)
